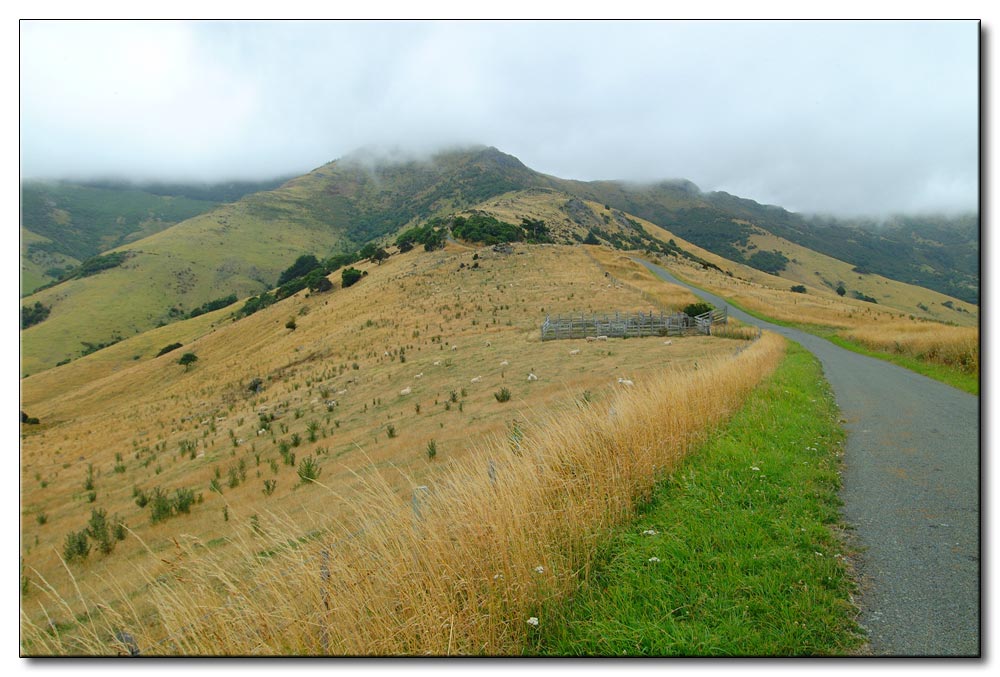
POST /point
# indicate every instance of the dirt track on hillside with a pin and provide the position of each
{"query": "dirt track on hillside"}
(911, 493)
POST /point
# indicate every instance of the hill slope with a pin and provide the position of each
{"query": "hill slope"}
(241, 248)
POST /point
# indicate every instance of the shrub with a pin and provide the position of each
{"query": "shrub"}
(291, 324)
(308, 469)
(160, 506)
(99, 529)
(769, 262)
(303, 265)
(183, 499)
(76, 546)
(799, 289)
(213, 305)
(696, 309)
(349, 276)
(432, 450)
(32, 315)
(502, 395)
(187, 359)
(269, 486)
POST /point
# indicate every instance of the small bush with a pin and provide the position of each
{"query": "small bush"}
(696, 309)
(502, 395)
(308, 469)
(168, 348)
(160, 506)
(349, 276)
(183, 499)
(799, 289)
(432, 450)
(76, 546)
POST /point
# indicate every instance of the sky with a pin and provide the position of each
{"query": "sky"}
(841, 117)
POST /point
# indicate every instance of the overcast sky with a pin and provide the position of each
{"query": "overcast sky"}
(839, 117)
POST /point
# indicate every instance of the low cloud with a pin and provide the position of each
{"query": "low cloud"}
(840, 117)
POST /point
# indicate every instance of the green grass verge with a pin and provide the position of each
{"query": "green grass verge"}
(745, 559)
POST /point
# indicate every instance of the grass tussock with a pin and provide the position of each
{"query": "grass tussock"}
(484, 543)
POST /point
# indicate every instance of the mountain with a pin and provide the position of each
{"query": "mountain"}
(241, 248)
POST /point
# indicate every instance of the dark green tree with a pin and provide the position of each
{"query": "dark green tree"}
(32, 315)
(187, 359)
(302, 266)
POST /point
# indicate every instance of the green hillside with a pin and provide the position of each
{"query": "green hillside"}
(940, 253)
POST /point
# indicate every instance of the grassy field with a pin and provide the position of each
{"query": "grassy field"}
(737, 553)
(452, 329)
(948, 352)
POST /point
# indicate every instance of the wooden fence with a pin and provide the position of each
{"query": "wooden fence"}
(628, 325)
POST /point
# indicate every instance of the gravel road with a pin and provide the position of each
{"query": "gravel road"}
(911, 493)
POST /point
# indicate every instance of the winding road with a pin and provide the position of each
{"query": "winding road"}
(911, 494)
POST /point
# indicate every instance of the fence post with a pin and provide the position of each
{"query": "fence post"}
(415, 502)
(324, 576)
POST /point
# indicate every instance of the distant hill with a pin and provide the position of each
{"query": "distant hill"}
(64, 223)
(940, 253)
(241, 248)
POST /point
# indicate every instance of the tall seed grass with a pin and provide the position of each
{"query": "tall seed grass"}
(457, 570)
(955, 347)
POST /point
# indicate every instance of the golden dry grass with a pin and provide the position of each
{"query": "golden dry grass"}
(512, 524)
(151, 411)
(956, 347)
(875, 326)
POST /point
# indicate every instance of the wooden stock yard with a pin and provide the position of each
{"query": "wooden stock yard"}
(627, 325)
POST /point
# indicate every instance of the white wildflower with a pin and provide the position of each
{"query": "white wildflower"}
(539, 569)
(649, 532)
(533, 621)
(654, 559)
(755, 468)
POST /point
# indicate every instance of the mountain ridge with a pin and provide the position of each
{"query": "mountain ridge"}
(239, 248)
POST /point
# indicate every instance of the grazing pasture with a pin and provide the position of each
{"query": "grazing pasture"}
(274, 437)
